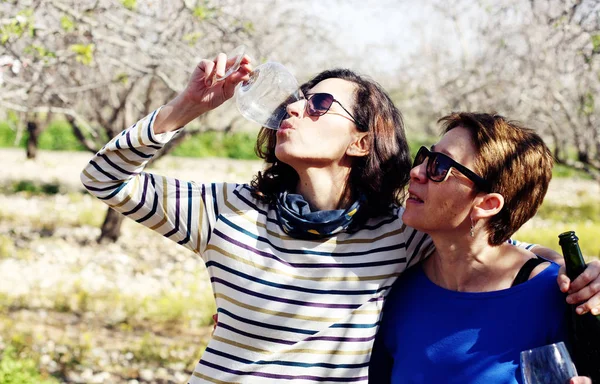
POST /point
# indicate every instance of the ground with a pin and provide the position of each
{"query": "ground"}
(135, 311)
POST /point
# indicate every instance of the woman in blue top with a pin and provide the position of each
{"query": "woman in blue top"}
(464, 314)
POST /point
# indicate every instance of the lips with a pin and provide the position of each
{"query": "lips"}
(414, 197)
(285, 124)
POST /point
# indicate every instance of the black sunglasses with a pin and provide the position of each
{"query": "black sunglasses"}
(317, 104)
(439, 166)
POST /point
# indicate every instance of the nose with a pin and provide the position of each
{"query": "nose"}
(296, 108)
(419, 173)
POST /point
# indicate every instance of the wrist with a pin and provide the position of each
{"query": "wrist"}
(176, 114)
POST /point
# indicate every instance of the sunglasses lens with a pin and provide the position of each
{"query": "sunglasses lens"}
(319, 103)
(420, 157)
(438, 167)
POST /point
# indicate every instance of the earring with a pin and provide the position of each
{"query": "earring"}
(472, 231)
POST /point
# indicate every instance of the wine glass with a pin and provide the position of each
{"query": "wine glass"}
(549, 364)
(263, 98)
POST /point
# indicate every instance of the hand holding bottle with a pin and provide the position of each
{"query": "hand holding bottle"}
(584, 330)
(583, 290)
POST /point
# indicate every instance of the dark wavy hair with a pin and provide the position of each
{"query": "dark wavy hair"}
(381, 176)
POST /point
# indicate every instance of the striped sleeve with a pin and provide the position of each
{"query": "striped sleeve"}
(175, 208)
(521, 244)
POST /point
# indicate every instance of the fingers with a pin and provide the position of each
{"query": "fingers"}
(221, 65)
(563, 281)
(585, 289)
(590, 302)
(217, 69)
(592, 272)
(205, 67)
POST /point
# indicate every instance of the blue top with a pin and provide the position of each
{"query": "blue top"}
(433, 335)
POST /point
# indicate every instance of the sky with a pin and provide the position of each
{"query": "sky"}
(386, 32)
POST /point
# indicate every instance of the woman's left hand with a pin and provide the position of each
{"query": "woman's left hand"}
(584, 290)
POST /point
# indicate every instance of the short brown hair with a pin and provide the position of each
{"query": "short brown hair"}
(514, 160)
(380, 176)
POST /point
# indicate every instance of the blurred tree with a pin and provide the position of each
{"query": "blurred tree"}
(537, 61)
(105, 63)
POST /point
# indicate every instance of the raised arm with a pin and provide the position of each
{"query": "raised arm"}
(179, 210)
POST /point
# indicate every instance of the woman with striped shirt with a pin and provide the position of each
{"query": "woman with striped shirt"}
(300, 259)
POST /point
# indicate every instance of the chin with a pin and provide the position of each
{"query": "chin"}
(281, 153)
(411, 219)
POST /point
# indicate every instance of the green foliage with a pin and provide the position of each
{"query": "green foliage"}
(218, 144)
(596, 42)
(35, 188)
(7, 247)
(204, 12)
(122, 78)
(8, 135)
(39, 52)
(85, 53)
(588, 104)
(151, 350)
(585, 211)
(67, 24)
(248, 26)
(563, 171)
(547, 235)
(580, 213)
(129, 4)
(417, 141)
(59, 137)
(192, 38)
(15, 370)
(22, 23)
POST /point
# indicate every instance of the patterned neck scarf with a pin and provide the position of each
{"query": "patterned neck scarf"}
(297, 220)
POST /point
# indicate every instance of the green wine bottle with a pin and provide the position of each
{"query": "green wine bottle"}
(584, 330)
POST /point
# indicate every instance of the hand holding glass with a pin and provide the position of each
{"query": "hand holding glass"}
(264, 97)
(550, 364)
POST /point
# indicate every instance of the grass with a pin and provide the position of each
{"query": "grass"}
(168, 311)
(58, 136)
(151, 349)
(585, 211)
(16, 369)
(546, 234)
(562, 171)
(580, 214)
(239, 145)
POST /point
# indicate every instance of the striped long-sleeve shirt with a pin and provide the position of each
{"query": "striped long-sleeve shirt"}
(290, 310)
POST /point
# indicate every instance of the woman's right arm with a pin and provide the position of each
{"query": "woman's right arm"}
(174, 208)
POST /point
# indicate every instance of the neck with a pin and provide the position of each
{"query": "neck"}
(469, 264)
(325, 188)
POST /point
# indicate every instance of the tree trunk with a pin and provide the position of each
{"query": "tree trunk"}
(111, 228)
(33, 131)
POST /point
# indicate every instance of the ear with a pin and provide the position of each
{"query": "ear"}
(487, 205)
(359, 147)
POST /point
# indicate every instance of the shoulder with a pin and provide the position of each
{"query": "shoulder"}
(238, 197)
(551, 267)
(543, 283)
